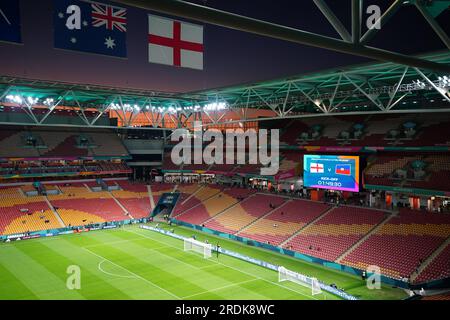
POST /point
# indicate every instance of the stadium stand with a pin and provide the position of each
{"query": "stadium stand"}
(412, 237)
(438, 268)
(214, 205)
(335, 232)
(195, 199)
(420, 171)
(437, 297)
(244, 213)
(283, 222)
(77, 204)
(160, 188)
(19, 213)
(375, 130)
(50, 142)
(134, 197)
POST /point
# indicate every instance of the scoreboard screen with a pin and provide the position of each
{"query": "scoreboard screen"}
(331, 172)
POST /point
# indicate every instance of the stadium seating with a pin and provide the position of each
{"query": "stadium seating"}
(411, 236)
(59, 143)
(432, 130)
(437, 297)
(197, 197)
(208, 208)
(335, 232)
(436, 176)
(12, 145)
(19, 213)
(438, 268)
(160, 188)
(78, 199)
(77, 218)
(284, 221)
(203, 205)
(244, 213)
(134, 197)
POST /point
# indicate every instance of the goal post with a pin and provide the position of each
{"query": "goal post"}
(309, 282)
(199, 247)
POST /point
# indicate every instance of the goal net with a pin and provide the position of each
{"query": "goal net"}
(197, 246)
(289, 275)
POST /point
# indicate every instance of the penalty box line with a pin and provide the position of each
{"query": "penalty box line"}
(225, 265)
(134, 274)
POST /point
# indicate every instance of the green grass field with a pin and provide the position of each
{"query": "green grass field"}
(132, 263)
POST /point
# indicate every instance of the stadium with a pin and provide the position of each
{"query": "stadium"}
(101, 200)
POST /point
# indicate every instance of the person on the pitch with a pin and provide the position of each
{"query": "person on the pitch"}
(218, 249)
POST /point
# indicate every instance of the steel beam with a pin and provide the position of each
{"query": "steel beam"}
(436, 27)
(300, 116)
(382, 21)
(276, 31)
(356, 21)
(334, 21)
(443, 92)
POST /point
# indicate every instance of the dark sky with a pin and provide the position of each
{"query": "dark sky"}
(231, 57)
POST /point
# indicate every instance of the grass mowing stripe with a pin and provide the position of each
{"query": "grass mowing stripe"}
(113, 274)
(161, 260)
(37, 278)
(115, 289)
(133, 287)
(110, 243)
(219, 288)
(13, 287)
(206, 279)
(92, 286)
(136, 246)
(350, 283)
(164, 272)
(228, 266)
(136, 275)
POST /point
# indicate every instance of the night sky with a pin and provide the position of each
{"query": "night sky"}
(231, 57)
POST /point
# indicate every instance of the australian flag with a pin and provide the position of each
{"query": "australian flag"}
(10, 21)
(91, 27)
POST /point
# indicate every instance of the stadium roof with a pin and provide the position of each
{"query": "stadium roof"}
(378, 86)
(374, 87)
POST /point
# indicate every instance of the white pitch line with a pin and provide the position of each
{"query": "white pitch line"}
(217, 289)
(26, 242)
(225, 265)
(118, 242)
(136, 275)
(166, 256)
(112, 274)
(205, 267)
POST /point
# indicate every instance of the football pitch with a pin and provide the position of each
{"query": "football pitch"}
(133, 263)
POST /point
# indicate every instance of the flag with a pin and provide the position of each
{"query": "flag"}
(90, 27)
(175, 43)
(10, 21)
(316, 167)
(344, 169)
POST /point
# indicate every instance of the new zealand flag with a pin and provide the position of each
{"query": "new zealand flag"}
(91, 27)
(10, 21)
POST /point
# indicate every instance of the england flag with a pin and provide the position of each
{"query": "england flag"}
(316, 167)
(175, 43)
